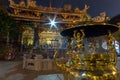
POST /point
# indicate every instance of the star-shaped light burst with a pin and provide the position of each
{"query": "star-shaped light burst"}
(52, 22)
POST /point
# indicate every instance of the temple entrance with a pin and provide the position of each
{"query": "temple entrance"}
(49, 41)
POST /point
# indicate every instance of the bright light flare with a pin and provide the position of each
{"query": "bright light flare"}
(52, 22)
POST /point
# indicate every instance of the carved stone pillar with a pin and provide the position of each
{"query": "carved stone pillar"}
(36, 36)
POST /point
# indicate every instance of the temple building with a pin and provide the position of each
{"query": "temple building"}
(58, 43)
(43, 31)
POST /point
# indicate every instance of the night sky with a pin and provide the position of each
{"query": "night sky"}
(111, 7)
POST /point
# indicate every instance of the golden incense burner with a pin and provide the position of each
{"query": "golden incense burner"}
(83, 64)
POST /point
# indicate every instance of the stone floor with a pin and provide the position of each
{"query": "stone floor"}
(12, 70)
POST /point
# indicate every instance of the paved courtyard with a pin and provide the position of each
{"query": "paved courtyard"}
(12, 70)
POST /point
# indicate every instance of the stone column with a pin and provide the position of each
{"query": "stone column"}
(36, 36)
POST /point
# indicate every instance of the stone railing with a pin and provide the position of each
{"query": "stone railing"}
(38, 63)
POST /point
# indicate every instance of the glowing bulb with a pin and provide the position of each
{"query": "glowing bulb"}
(52, 22)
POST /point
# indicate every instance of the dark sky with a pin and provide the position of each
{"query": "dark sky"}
(111, 7)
